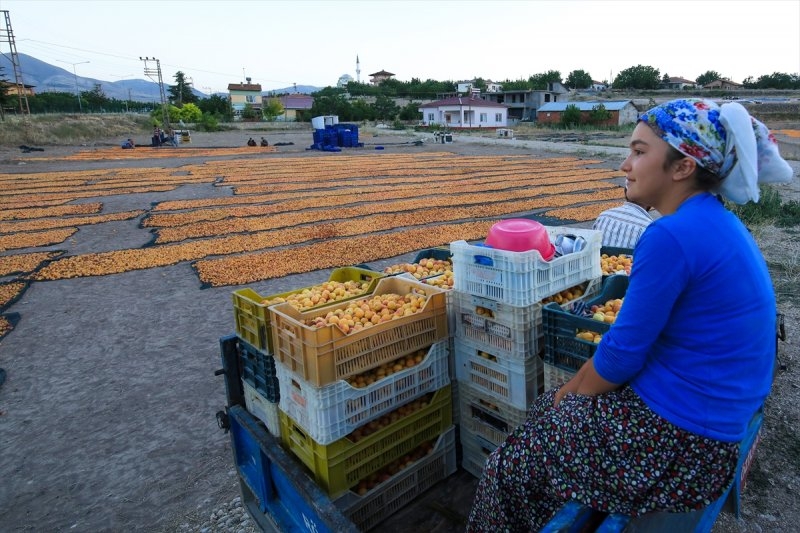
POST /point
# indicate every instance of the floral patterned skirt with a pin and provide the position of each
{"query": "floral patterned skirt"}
(609, 452)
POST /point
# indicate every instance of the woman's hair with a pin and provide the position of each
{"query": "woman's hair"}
(703, 178)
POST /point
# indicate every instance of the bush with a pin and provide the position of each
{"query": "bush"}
(571, 116)
(769, 210)
(398, 125)
(207, 122)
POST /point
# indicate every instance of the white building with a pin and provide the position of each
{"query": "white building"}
(464, 113)
(466, 87)
(344, 79)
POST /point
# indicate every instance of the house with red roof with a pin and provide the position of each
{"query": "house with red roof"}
(380, 76)
(294, 103)
(678, 83)
(461, 112)
(243, 94)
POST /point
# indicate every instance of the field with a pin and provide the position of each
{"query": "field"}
(117, 268)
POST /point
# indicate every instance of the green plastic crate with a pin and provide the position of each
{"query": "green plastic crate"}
(340, 465)
(252, 317)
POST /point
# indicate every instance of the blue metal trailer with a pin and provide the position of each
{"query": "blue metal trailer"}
(282, 497)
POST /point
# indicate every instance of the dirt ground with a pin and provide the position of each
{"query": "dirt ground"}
(107, 416)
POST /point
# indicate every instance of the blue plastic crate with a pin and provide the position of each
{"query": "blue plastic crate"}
(278, 494)
(258, 371)
(562, 349)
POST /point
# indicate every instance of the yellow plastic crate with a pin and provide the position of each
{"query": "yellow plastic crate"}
(342, 464)
(325, 355)
(252, 318)
(370, 509)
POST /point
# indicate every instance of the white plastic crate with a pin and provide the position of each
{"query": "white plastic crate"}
(368, 510)
(456, 403)
(474, 452)
(512, 331)
(263, 409)
(524, 278)
(488, 418)
(555, 376)
(515, 382)
(332, 411)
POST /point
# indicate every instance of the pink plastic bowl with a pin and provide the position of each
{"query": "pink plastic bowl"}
(521, 235)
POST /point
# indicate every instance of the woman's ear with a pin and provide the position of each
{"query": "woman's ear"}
(684, 169)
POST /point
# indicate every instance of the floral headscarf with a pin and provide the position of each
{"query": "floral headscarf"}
(725, 140)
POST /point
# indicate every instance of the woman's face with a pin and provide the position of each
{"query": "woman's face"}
(647, 181)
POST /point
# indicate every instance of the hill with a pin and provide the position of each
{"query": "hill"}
(51, 78)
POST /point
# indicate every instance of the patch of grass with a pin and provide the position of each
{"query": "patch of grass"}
(785, 274)
(64, 129)
(769, 210)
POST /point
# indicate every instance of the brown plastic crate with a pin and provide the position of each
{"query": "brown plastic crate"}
(251, 316)
(322, 356)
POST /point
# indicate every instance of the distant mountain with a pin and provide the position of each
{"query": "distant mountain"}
(50, 78)
(301, 89)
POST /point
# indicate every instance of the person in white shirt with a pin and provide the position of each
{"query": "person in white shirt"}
(622, 226)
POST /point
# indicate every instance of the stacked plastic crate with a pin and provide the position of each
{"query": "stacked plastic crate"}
(368, 411)
(255, 348)
(434, 266)
(498, 332)
(570, 339)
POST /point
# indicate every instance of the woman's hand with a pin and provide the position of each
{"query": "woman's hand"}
(569, 386)
(586, 382)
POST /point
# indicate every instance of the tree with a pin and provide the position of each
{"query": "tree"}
(516, 85)
(599, 114)
(385, 108)
(665, 79)
(173, 112)
(3, 91)
(410, 112)
(181, 93)
(327, 104)
(216, 105)
(361, 110)
(707, 77)
(480, 83)
(778, 80)
(578, 79)
(249, 113)
(272, 109)
(638, 77)
(539, 82)
(571, 116)
(96, 100)
(189, 113)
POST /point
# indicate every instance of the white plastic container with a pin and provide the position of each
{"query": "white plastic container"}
(332, 411)
(263, 409)
(524, 278)
(318, 123)
(513, 381)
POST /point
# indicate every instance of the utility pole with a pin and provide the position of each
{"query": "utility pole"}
(150, 72)
(75, 73)
(7, 36)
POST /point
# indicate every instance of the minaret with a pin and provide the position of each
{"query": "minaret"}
(358, 70)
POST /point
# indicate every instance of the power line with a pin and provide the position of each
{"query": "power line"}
(134, 59)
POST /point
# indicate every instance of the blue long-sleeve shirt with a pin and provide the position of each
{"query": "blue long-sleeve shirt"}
(695, 337)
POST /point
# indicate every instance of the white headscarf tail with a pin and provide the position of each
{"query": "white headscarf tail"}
(757, 157)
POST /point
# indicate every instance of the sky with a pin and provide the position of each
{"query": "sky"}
(281, 43)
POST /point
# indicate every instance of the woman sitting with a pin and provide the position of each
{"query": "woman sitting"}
(652, 422)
